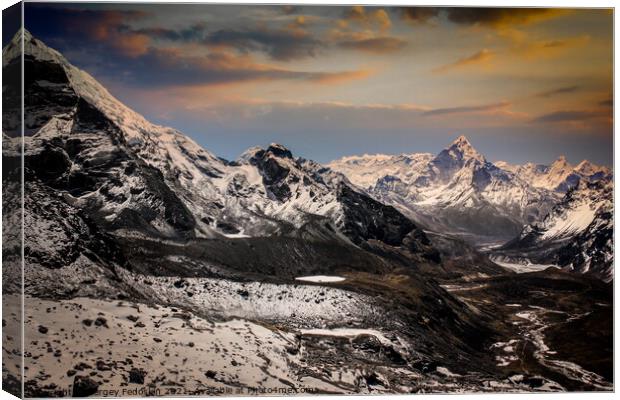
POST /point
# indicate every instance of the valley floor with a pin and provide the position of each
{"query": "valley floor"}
(122, 348)
(562, 329)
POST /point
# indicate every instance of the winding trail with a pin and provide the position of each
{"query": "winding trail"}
(535, 334)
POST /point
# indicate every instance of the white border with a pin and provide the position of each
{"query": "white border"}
(481, 3)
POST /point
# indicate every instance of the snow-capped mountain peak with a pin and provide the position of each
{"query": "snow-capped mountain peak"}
(560, 164)
(561, 176)
(273, 150)
(451, 160)
(456, 189)
(161, 146)
(279, 150)
(459, 188)
(589, 169)
(367, 170)
(463, 149)
(585, 166)
(140, 178)
(32, 47)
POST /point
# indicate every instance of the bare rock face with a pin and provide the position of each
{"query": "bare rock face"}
(369, 219)
(83, 386)
(137, 376)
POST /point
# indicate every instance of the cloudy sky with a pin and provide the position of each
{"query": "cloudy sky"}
(522, 84)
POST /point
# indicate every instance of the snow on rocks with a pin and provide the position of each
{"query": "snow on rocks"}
(348, 333)
(304, 305)
(507, 355)
(446, 372)
(459, 181)
(150, 350)
(522, 267)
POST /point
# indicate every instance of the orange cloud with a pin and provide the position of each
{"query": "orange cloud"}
(379, 45)
(132, 45)
(480, 58)
(340, 77)
(479, 109)
(101, 25)
(419, 15)
(367, 39)
(301, 23)
(502, 18)
(377, 18)
(107, 26)
(173, 67)
(490, 17)
(550, 48)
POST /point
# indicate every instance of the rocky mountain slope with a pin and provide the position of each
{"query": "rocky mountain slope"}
(136, 178)
(577, 234)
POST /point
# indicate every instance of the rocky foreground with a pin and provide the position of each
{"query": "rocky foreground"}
(84, 347)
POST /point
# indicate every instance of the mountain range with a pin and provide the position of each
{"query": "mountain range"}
(530, 209)
(460, 192)
(138, 166)
(116, 208)
(143, 180)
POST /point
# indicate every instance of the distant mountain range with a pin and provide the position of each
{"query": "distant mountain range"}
(458, 191)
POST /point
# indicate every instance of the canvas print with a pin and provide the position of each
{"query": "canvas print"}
(247, 200)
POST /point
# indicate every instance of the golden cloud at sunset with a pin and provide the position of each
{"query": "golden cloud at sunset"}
(482, 57)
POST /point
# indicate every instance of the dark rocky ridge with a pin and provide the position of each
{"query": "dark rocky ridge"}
(364, 218)
(589, 251)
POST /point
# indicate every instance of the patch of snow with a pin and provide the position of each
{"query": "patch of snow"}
(446, 372)
(464, 287)
(320, 279)
(236, 235)
(303, 305)
(346, 332)
(522, 268)
(575, 220)
(174, 349)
